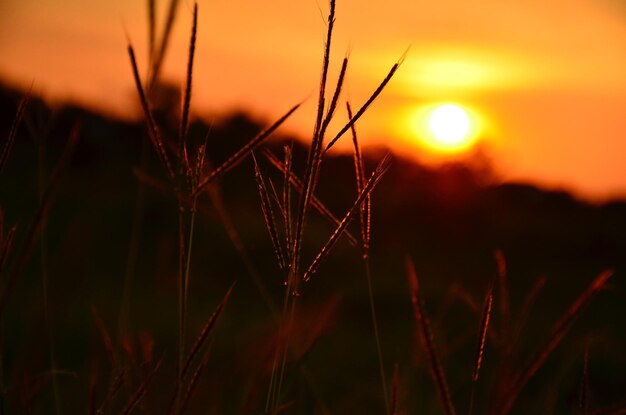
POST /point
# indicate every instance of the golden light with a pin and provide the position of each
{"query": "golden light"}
(446, 128)
(449, 124)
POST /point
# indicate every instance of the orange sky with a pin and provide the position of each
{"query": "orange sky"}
(547, 78)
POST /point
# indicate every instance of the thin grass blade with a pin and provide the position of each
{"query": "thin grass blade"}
(363, 209)
(91, 399)
(277, 199)
(365, 106)
(243, 152)
(369, 186)
(193, 382)
(527, 306)
(281, 408)
(206, 330)
(323, 80)
(19, 114)
(480, 345)
(151, 31)
(104, 335)
(393, 409)
(114, 389)
(153, 131)
(163, 44)
(558, 332)
(428, 342)
(505, 307)
(183, 162)
(6, 246)
(583, 401)
(287, 178)
(141, 391)
(333, 102)
(482, 332)
(359, 168)
(315, 153)
(268, 215)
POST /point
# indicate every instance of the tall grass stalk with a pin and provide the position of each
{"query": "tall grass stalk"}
(151, 31)
(45, 286)
(155, 136)
(287, 190)
(428, 341)
(185, 175)
(505, 306)
(314, 160)
(4, 156)
(139, 394)
(310, 177)
(137, 219)
(268, 215)
(137, 216)
(198, 181)
(583, 395)
(6, 244)
(365, 219)
(394, 391)
(480, 344)
(292, 284)
(162, 45)
(291, 298)
(558, 332)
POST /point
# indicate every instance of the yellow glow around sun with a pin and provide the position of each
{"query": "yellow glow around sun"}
(446, 128)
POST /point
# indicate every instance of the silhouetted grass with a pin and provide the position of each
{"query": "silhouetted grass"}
(272, 363)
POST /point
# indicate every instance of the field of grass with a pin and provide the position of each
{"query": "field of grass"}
(171, 267)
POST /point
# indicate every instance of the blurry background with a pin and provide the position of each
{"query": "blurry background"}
(546, 79)
(543, 184)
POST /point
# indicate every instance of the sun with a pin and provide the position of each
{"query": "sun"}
(449, 124)
(446, 127)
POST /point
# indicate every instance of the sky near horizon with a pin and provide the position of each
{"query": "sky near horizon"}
(547, 80)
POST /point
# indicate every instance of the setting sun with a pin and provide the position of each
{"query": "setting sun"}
(446, 128)
(449, 124)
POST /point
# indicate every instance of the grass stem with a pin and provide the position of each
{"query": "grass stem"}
(379, 350)
(45, 286)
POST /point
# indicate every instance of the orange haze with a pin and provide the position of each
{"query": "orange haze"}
(546, 78)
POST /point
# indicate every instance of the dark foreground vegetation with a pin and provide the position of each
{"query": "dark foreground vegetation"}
(168, 267)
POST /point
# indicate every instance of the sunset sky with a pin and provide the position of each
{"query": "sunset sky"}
(546, 80)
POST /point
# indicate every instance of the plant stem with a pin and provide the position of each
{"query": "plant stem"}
(379, 351)
(271, 397)
(45, 283)
(184, 269)
(289, 327)
(182, 300)
(133, 249)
